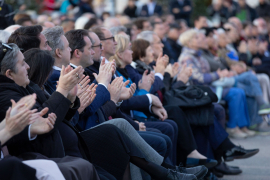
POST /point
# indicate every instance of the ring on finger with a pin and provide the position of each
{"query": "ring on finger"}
(77, 75)
(80, 85)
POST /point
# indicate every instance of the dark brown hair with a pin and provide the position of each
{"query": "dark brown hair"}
(139, 47)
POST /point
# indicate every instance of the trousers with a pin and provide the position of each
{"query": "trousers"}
(238, 110)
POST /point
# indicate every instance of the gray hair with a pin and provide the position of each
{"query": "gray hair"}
(146, 35)
(117, 29)
(4, 35)
(53, 35)
(10, 59)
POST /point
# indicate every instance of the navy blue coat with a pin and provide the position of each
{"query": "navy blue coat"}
(157, 10)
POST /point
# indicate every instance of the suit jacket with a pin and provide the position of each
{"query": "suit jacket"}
(177, 10)
(127, 105)
(157, 10)
(175, 47)
(167, 49)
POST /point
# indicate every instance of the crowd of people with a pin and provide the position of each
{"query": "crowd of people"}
(142, 95)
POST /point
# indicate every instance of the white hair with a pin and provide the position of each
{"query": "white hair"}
(117, 29)
(111, 22)
(12, 28)
(186, 36)
(146, 35)
(4, 35)
(80, 22)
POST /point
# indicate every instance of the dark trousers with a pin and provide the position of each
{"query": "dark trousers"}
(213, 134)
(158, 141)
(169, 128)
(185, 140)
(11, 168)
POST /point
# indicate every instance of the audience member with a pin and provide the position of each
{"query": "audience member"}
(181, 9)
(151, 8)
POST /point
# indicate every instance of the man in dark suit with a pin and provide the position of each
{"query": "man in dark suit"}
(62, 58)
(150, 9)
(181, 9)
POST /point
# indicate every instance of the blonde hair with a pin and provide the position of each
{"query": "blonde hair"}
(187, 36)
(122, 44)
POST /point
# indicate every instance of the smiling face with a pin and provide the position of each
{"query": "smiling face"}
(20, 76)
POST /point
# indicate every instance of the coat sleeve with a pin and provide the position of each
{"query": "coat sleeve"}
(138, 103)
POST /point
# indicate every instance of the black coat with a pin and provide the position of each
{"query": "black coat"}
(196, 102)
(49, 144)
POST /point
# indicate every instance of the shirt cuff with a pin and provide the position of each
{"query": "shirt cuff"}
(102, 85)
(118, 104)
(159, 75)
(150, 102)
(29, 134)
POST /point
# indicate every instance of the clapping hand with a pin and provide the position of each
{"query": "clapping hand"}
(83, 85)
(127, 93)
(146, 81)
(106, 72)
(115, 89)
(184, 74)
(69, 78)
(42, 125)
(87, 97)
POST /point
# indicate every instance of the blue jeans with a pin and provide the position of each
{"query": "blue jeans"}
(238, 110)
(249, 83)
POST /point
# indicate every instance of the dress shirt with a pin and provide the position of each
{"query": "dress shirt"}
(151, 8)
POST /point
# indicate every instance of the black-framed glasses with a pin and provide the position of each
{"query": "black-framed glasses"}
(99, 45)
(108, 38)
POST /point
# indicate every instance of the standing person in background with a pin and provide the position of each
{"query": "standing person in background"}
(181, 9)
(245, 12)
(131, 9)
(151, 9)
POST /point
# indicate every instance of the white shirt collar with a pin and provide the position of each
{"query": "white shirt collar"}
(57, 68)
(106, 61)
(73, 65)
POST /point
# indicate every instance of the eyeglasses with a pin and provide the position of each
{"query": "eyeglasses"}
(108, 38)
(100, 46)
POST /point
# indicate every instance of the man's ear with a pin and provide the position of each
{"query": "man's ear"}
(58, 53)
(9, 74)
(76, 53)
